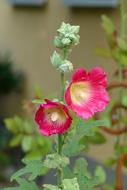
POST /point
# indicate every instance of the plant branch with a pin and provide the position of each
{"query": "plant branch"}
(111, 131)
(116, 84)
(119, 181)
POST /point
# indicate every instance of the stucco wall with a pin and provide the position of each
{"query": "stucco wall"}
(28, 34)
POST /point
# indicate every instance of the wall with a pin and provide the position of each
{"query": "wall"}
(28, 33)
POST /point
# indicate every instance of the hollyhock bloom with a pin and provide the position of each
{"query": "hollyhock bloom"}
(86, 94)
(53, 118)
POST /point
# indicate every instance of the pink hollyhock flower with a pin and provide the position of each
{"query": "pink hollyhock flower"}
(53, 118)
(86, 94)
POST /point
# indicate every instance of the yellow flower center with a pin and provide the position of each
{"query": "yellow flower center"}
(80, 92)
(56, 114)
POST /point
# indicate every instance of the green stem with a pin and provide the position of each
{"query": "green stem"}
(60, 137)
(62, 87)
(60, 173)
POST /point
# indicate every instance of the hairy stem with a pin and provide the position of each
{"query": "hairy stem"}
(60, 136)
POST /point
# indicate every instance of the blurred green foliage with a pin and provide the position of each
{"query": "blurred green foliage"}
(25, 133)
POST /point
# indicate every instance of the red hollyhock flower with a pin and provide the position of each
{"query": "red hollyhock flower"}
(86, 94)
(53, 118)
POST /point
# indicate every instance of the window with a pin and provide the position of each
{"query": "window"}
(92, 3)
(28, 2)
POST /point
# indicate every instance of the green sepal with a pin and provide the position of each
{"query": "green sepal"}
(56, 161)
(51, 187)
(70, 184)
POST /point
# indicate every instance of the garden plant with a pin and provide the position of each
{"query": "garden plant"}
(70, 121)
(65, 120)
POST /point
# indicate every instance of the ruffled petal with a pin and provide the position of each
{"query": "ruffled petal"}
(87, 95)
(80, 74)
(98, 76)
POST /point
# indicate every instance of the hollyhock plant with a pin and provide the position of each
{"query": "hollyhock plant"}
(53, 118)
(86, 94)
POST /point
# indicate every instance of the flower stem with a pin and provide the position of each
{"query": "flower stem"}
(62, 87)
(60, 173)
(60, 137)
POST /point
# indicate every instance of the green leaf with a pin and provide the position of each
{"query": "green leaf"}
(34, 167)
(120, 149)
(23, 185)
(70, 184)
(38, 92)
(110, 162)
(122, 44)
(50, 187)
(16, 140)
(12, 188)
(37, 101)
(88, 128)
(73, 146)
(56, 161)
(98, 138)
(124, 100)
(27, 143)
(14, 124)
(123, 58)
(90, 183)
(28, 127)
(108, 25)
(84, 178)
(103, 52)
(80, 171)
(100, 173)
(67, 173)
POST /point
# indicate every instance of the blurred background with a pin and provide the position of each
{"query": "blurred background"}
(26, 44)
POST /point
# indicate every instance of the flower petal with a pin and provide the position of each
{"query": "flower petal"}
(98, 76)
(80, 74)
(53, 118)
(87, 94)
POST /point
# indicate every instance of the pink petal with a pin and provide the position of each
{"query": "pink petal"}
(98, 76)
(80, 74)
(97, 98)
(48, 127)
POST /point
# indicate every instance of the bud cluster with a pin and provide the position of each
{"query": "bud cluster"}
(66, 39)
